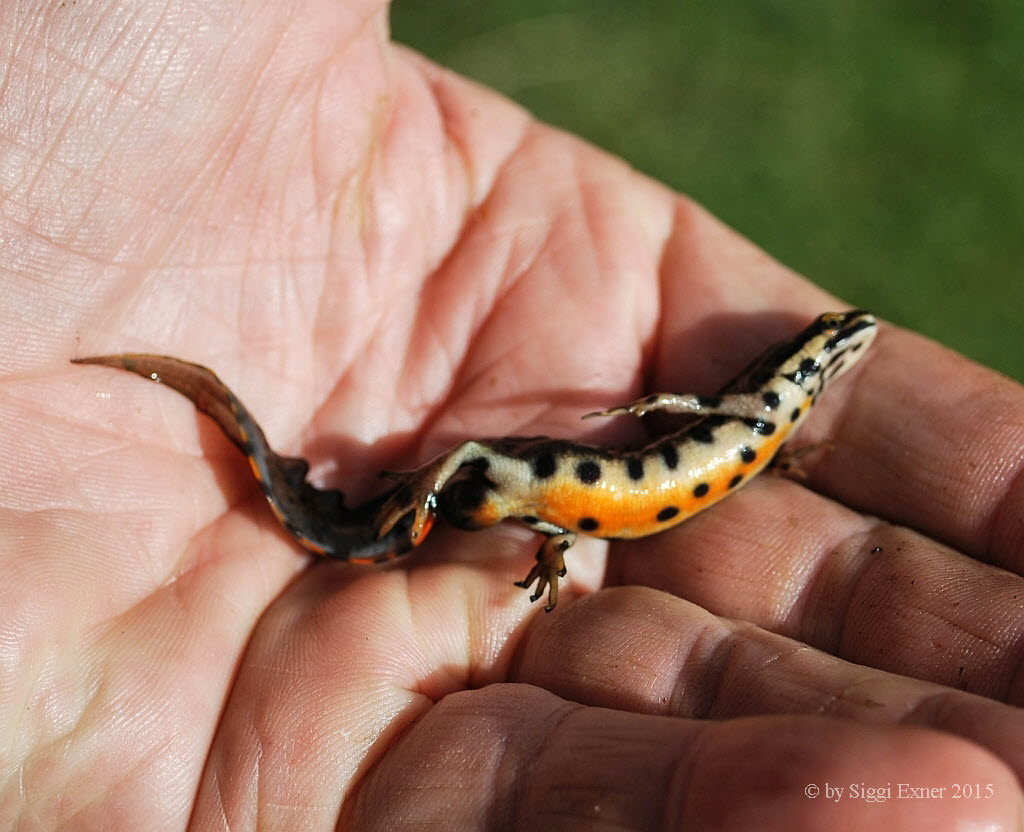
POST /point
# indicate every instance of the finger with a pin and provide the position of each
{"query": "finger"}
(934, 441)
(639, 650)
(791, 561)
(514, 756)
(334, 672)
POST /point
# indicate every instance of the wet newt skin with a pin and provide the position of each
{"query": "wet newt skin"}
(560, 489)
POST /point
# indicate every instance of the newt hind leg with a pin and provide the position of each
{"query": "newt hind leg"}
(550, 566)
(420, 489)
(787, 461)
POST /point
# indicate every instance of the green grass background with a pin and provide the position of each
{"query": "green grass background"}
(877, 147)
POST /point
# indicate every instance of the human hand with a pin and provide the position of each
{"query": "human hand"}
(382, 259)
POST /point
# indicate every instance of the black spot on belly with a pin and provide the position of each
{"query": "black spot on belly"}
(704, 430)
(748, 454)
(809, 366)
(735, 480)
(795, 414)
(667, 513)
(635, 468)
(530, 520)
(771, 400)
(459, 502)
(701, 433)
(669, 455)
(701, 490)
(588, 472)
(760, 426)
(469, 494)
(544, 465)
(587, 524)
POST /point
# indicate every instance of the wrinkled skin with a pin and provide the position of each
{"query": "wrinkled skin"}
(382, 259)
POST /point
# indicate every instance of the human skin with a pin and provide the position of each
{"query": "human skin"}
(382, 259)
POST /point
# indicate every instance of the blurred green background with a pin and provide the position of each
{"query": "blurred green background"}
(877, 147)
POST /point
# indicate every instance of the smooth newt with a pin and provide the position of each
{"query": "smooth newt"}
(562, 489)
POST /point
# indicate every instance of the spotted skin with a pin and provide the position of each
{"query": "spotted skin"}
(562, 488)
(317, 518)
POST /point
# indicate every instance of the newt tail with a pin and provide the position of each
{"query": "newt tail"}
(317, 518)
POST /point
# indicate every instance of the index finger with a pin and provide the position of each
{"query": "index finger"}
(934, 441)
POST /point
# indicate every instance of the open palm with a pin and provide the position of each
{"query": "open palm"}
(381, 260)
